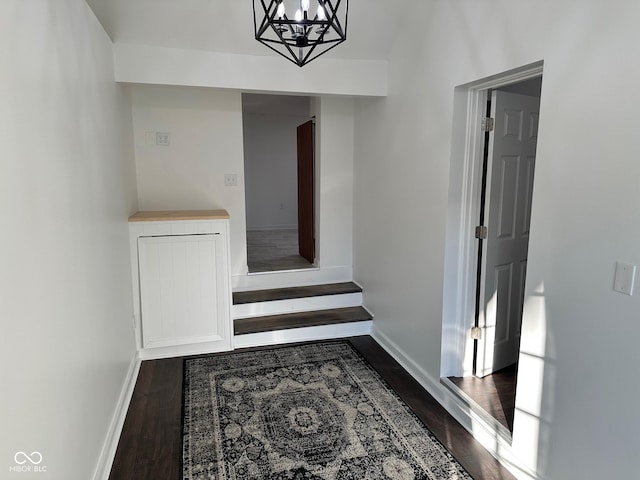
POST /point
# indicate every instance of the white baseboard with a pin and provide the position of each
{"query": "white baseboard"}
(469, 404)
(108, 453)
(272, 227)
(305, 334)
(184, 350)
(473, 422)
(417, 372)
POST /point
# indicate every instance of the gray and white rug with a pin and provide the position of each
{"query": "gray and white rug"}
(315, 411)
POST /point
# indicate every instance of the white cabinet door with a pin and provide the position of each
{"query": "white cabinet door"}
(182, 290)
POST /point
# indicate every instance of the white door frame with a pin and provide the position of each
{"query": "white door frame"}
(463, 214)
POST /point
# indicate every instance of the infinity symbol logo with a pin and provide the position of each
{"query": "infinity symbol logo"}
(35, 458)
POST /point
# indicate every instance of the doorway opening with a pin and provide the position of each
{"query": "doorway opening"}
(487, 255)
(279, 144)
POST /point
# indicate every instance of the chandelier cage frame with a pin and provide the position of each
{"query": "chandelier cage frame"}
(305, 39)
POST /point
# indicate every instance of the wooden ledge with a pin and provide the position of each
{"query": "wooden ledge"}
(172, 215)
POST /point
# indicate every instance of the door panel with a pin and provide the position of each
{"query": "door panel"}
(530, 166)
(507, 197)
(306, 234)
(503, 283)
(510, 172)
(180, 278)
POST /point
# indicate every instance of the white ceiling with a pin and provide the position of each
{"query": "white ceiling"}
(227, 25)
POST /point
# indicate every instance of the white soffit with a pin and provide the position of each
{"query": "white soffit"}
(324, 76)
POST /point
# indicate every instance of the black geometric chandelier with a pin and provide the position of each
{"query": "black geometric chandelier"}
(300, 30)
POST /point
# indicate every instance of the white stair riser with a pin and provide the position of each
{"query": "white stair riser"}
(304, 334)
(297, 278)
(306, 304)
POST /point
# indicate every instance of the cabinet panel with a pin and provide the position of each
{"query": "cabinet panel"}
(182, 289)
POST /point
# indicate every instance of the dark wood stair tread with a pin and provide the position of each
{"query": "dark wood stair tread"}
(242, 326)
(288, 293)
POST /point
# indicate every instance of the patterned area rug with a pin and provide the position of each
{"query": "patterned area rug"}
(316, 411)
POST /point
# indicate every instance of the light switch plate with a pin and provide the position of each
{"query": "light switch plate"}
(149, 138)
(625, 278)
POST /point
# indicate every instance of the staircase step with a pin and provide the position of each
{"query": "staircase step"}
(243, 326)
(254, 296)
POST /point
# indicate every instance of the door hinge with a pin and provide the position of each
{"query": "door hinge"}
(481, 232)
(476, 333)
(487, 124)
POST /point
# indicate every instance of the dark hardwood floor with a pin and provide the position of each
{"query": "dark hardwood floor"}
(150, 446)
(495, 393)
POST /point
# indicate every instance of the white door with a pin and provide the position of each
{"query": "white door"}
(510, 169)
(181, 294)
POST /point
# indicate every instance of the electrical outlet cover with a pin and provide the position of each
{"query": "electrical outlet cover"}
(163, 139)
(230, 180)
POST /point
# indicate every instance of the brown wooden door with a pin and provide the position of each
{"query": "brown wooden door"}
(306, 240)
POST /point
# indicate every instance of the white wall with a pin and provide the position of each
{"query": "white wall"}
(270, 162)
(65, 194)
(578, 418)
(334, 201)
(199, 68)
(206, 142)
(205, 127)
